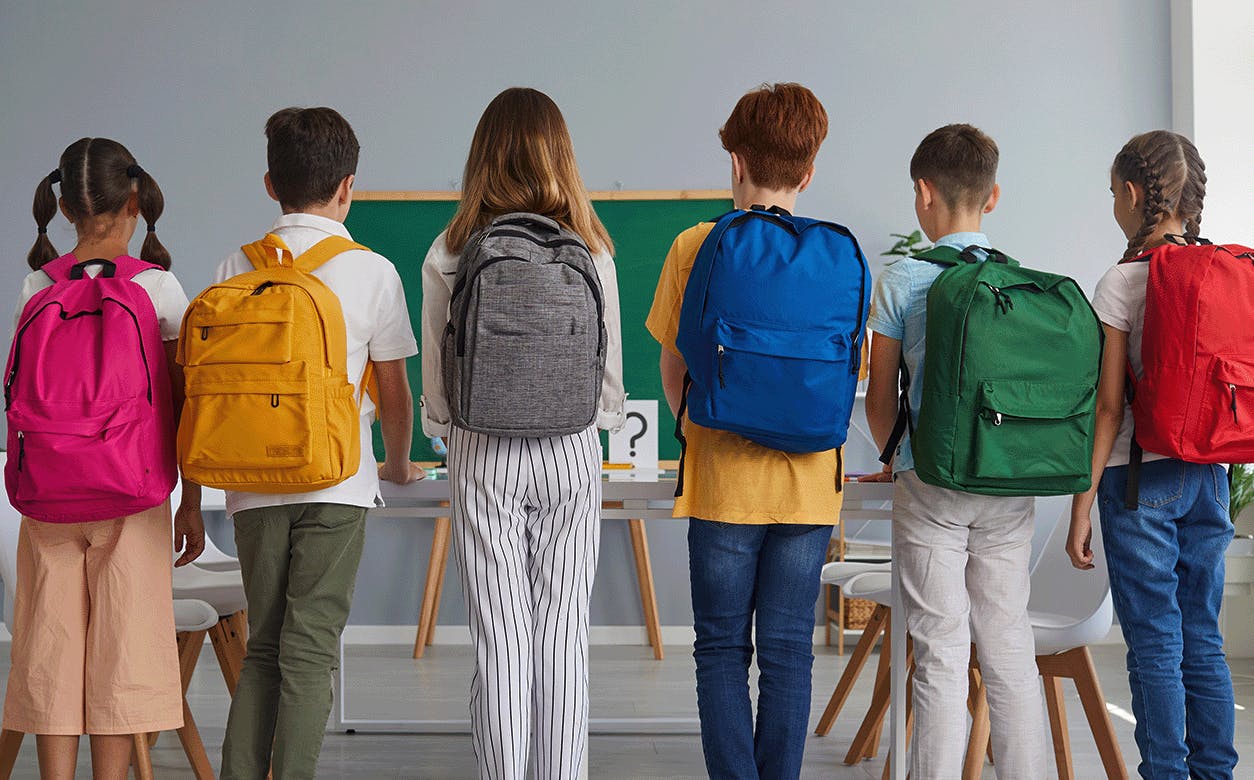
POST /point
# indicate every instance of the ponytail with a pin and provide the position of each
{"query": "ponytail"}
(44, 209)
(151, 204)
(1171, 173)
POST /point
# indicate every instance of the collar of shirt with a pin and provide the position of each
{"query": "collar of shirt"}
(300, 220)
(963, 240)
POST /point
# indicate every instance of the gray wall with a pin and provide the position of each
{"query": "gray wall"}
(644, 87)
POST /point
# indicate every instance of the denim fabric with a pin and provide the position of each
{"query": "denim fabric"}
(1166, 561)
(745, 576)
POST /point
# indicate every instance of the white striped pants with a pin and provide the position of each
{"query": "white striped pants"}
(527, 528)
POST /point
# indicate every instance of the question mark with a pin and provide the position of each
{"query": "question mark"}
(644, 426)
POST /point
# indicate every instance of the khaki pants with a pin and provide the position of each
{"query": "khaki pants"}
(964, 562)
(299, 564)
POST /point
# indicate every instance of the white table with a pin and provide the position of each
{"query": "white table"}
(642, 495)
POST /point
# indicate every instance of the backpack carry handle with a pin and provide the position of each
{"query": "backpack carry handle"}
(537, 221)
(1182, 240)
(994, 256)
(109, 268)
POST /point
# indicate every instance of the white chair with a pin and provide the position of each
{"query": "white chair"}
(190, 617)
(873, 582)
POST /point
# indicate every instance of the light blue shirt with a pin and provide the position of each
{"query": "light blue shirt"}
(899, 311)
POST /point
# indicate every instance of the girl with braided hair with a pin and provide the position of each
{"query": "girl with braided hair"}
(1166, 556)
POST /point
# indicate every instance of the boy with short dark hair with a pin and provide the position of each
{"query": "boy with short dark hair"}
(761, 518)
(299, 552)
(962, 558)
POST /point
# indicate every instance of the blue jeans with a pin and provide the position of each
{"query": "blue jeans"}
(1166, 561)
(743, 573)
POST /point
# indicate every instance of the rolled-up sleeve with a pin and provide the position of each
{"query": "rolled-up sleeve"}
(889, 301)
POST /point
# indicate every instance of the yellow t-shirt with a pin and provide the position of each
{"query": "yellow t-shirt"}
(726, 476)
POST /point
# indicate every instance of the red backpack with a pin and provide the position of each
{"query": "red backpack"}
(1195, 401)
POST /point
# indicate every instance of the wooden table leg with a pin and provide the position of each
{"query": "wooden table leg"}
(644, 577)
(431, 590)
(439, 588)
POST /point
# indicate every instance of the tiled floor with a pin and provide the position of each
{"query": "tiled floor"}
(385, 682)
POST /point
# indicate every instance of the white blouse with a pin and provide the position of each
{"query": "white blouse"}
(439, 270)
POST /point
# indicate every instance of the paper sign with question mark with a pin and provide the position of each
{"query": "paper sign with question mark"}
(636, 443)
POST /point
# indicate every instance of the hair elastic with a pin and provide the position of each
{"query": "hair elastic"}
(152, 227)
(43, 231)
(55, 176)
(134, 171)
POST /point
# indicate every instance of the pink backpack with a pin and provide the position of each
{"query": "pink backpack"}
(91, 425)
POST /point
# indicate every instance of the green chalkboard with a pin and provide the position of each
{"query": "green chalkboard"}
(401, 227)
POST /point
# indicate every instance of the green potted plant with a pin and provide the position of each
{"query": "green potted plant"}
(907, 244)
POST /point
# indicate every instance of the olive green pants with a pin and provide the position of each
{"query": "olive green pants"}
(299, 564)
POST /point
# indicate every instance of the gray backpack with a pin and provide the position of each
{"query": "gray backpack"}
(524, 349)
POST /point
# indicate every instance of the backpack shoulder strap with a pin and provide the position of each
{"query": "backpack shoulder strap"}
(129, 267)
(323, 251)
(59, 270)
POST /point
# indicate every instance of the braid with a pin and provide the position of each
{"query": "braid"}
(1154, 209)
(1194, 192)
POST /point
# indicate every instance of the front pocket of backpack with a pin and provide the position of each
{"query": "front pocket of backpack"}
(1226, 416)
(1033, 430)
(66, 454)
(778, 380)
(240, 328)
(534, 361)
(247, 417)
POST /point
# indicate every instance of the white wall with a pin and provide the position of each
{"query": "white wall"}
(644, 85)
(1214, 81)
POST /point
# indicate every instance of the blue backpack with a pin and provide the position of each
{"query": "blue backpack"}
(771, 330)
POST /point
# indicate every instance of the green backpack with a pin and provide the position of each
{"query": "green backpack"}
(1010, 376)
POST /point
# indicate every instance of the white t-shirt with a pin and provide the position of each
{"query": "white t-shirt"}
(377, 324)
(1119, 301)
(163, 288)
(439, 271)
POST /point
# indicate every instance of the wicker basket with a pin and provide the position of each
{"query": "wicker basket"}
(857, 611)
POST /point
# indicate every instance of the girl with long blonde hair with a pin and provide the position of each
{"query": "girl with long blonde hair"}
(525, 509)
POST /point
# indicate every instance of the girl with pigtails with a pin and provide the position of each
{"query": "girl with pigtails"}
(1164, 538)
(93, 625)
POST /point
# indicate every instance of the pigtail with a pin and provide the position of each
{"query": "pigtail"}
(1154, 210)
(151, 204)
(44, 209)
(1194, 192)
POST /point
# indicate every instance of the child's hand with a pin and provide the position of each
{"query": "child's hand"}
(1079, 540)
(189, 534)
(402, 473)
(883, 475)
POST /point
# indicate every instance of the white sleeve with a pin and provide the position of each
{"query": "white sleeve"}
(33, 283)
(171, 304)
(610, 415)
(1112, 300)
(437, 290)
(393, 337)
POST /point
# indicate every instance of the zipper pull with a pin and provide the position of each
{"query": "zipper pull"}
(21, 449)
(204, 333)
(721, 381)
(1233, 390)
(997, 418)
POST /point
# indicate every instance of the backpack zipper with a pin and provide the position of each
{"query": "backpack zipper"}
(1002, 299)
(1233, 389)
(21, 449)
(722, 383)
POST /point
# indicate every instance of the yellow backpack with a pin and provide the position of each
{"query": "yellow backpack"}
(270, 408)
